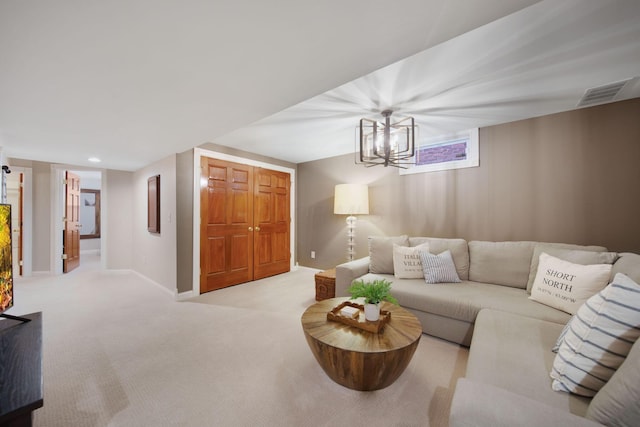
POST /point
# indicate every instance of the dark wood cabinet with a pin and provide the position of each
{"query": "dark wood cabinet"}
(21, 389)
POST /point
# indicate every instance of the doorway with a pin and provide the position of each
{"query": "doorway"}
(89, 179)
(19, 190)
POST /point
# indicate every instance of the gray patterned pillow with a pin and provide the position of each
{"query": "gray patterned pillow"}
(439, 268)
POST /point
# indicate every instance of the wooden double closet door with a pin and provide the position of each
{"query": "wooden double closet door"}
(245, 223)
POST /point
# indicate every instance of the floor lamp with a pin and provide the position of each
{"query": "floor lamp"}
(351, 200)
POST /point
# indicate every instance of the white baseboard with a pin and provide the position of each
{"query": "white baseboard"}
(181, 296)
(122, 271)
(90, 252)
(142, 276)
(41, 273)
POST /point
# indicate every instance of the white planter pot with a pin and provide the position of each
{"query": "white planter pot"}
(372, 312)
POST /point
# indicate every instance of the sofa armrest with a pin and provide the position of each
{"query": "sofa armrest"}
(348, 272)
(477, 404)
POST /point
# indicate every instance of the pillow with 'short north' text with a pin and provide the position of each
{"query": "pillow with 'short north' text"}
(566, 286)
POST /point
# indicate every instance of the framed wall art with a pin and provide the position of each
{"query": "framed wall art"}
(454, 151)
(153, 204)
(6, 265)
(89, 214)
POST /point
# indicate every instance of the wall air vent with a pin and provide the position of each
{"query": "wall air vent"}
(602, 94)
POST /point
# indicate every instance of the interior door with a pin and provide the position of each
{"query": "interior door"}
(71, 233)
(272, 221)
(226, 224)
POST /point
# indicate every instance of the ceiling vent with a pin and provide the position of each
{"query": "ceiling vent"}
(602, 94)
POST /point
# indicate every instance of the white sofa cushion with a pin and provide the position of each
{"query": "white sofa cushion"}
(381, 253)
(479, 404)
(458, 247)
(618, 402)
(629, 264)
(512, 352)
(598, 338)
(565, 285)
(500, 263)
(462, 301)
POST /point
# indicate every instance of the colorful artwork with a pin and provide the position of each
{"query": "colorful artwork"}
(450, 151)
(6, 272)
(455, 151)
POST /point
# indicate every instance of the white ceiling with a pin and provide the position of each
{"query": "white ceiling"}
(133, 81)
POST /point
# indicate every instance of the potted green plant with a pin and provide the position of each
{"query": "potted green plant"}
(373, 293)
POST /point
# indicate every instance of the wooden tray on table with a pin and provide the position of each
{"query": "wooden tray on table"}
(360, 322)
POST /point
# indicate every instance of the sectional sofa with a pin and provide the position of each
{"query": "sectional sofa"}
(510, 335)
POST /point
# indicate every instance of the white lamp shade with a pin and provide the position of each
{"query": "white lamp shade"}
(351, 199)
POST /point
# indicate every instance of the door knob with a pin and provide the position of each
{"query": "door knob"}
(250, 228)
(257, 228)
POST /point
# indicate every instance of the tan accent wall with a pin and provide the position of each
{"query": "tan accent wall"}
(184, 220)
(570, 177)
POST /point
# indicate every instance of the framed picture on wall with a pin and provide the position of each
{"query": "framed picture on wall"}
(89, 214)
(6, 267)
(153, 204)
(454, 151)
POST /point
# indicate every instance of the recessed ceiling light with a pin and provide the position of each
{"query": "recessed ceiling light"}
(94, 160)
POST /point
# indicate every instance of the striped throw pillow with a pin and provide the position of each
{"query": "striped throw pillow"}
(598, 338)
(439, 268)
(556, 347)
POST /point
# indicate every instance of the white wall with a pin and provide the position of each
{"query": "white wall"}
(154, 255)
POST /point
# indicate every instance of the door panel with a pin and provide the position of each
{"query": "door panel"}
(215, 246)
(272, 219)
(71, 233)
(226, 224)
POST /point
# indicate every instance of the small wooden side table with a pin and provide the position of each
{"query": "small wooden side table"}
(326, 284)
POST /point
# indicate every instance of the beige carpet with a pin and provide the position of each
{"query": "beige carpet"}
(118, 351)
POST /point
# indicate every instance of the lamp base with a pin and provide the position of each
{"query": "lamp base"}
(351, 235)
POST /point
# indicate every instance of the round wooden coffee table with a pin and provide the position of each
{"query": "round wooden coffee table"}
(358, 359)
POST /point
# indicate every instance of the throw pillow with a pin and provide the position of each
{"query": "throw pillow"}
(618, 402)
(598, 339)
(439, 268)
(565, 285)
(561, 336)
(381, 253)
(406, 261)
(577, 256)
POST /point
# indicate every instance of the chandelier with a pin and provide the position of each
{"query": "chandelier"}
(388, 144)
